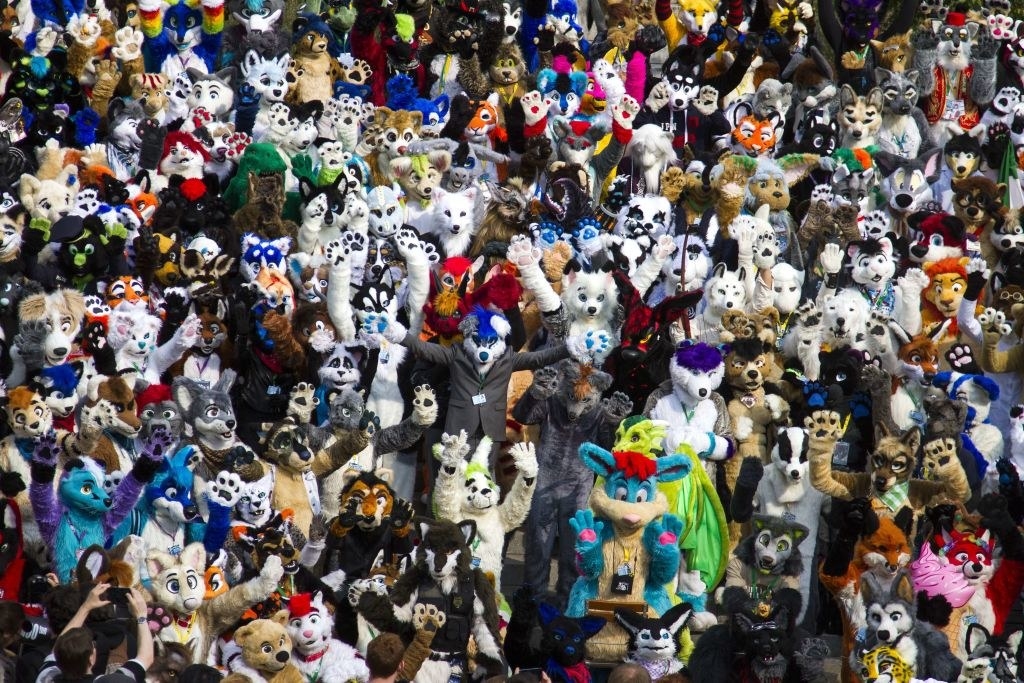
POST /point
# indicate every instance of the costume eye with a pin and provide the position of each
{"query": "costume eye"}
(86, 489)
(621, 493)
(171, 492)
(641, 496)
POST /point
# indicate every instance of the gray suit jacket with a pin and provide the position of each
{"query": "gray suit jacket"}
(487, 418)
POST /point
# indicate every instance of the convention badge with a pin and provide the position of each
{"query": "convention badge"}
(175, 550)
(748, 400)
(475, 562)
(479, 400)
(841, 454)
(788, 516)
(622, 582)
(954, 109)
(273, 390)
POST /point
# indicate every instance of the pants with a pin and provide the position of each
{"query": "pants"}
(554, 504)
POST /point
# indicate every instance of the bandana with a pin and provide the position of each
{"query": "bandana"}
(896, 497)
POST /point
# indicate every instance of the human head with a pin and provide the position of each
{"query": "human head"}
(11, 617)
(75, 653)
(629, 673)
(199, 673)
(384, 655)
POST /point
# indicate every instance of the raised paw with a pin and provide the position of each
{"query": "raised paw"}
(522, 253)
(226, 489)
(424, 404)
(524, 455)
(961, 359)
(824, 424)
(159, 442)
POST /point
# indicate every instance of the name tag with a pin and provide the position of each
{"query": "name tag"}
(954, 109)
(841, 455)
(479, 400)
(273, 390)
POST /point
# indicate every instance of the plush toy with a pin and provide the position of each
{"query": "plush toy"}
(443, 576)
(467, 491)
(953, 105)
(78, 512)
(266, 649)
(316, 652)
(660, 645)
(639, 529)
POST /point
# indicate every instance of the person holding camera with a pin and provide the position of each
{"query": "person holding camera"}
(74, 652)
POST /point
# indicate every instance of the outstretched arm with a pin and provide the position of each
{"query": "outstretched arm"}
(823, 431)
(516, 506)
(40, 489)
(451, 452)
(224, 609)
(128, 491)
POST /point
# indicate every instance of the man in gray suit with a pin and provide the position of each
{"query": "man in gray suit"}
(482, 365)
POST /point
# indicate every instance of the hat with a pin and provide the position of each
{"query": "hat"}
(956, 19)
(154, 393)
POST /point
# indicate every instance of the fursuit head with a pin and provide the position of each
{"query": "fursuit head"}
(697, 370)
(773, 546)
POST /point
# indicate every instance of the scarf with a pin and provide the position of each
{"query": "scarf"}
(896, 497)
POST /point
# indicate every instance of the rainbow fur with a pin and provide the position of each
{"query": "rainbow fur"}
(168, 33)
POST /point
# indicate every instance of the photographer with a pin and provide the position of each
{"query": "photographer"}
(74, 652)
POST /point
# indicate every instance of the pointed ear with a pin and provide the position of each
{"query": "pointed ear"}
(194, 555)
(591, 626)
(675, 618)
(92, 563)
(424, 529)
(847, 95)
(977, 635)
(281, 617)
(912, 440)
(904, 588)
(468, 529)
(629, 620)
(547, 613)
(157, 561)
(933, 164)
(799, 533)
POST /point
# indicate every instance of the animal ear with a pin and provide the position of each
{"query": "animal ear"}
(881, 74)
(799, 533)
(226, 74)
(194, 74)
(886, 245)
(227, 379)
(875, 98)
(157, 562)
(281, 617)
(912, 439)
(194, 555)
(932, 164)
(591, 626)
(401, 166)
(675, 618)
(441, 159)
(977, 635)
(673, 467)
(424, 529)
(629, 620)
(847, 96)
(902, 587)
(94, 561)
(468, 529)
(597, 459)
(547, 613)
